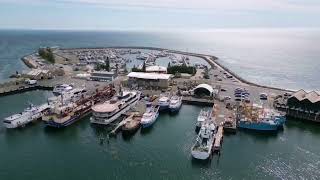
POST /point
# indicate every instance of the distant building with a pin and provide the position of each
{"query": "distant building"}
(304, 101)
(154, 80)
(304, 105)
(38, 74)
(102, 76)
(156, 69)
(204, 90)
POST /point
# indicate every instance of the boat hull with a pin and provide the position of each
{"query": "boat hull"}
(200, 155)
(163, 107)
(175, 109)
(149, 123)
(68, 122)
(258, 126)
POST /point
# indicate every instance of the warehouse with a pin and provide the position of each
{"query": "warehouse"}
(153, 80)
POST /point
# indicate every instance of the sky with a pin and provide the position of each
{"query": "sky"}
(158, 14)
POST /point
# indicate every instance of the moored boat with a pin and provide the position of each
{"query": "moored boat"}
(175, 103)
(163, 102)
(202, 149)
(63, 115)
(132, 124)
(107, 112)
(202, 117)
(150, 116)
(61, 88)
(260, 119)
(30, 114)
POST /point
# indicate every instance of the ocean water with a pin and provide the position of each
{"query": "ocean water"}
(287, 58)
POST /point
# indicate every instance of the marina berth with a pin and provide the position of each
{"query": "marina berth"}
(107, 112)
(150, 116)
(175, 103)
(30, 114)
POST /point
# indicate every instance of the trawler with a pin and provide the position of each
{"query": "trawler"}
(164, 101)
(30, 114)
(202, 149)
(257, 118)
(203, 116)
(150, 116)
(175, 103)
(62, 115)
(107, 112)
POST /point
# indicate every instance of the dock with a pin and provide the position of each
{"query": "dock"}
(218, 139)
(124, 121)
(224, 117)
(197, 101)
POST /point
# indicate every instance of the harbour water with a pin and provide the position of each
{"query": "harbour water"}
(163, 152)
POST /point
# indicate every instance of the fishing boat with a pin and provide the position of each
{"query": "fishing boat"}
(256, 118)
(63, 115)
(150, 116)
(202, 117)
(175, 103)
(163, 102)
(30, 114)
(132, 124)
(107, 112)
(61, 88)
(202, 149)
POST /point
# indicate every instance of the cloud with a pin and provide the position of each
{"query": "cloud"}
(206, 5)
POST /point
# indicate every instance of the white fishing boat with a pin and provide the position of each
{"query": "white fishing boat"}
(30, 114)
(61, 88)
(202, 149)
(164, 101)
(175, 103)
(150, 116)
(203, 116)
(111, 110)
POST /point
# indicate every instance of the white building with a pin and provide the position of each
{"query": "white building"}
(154, 80)
(102, 76)
(156, 69)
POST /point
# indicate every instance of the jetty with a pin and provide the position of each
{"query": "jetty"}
(123, 122)
(218, 139)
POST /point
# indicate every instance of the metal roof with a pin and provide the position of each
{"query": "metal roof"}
(154, 76)
(205, 86)
(301, 95)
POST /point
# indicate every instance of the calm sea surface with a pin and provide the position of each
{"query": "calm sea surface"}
(281, 58)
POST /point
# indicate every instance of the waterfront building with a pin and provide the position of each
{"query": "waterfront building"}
(204, 90)
(102, 76)
(156, 69)
(304, 105)
(154, 80)
(38, 74)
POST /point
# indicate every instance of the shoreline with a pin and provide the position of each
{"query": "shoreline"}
(211, 59)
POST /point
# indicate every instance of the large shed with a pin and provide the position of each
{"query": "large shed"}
(154, 80)
(203, 90)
